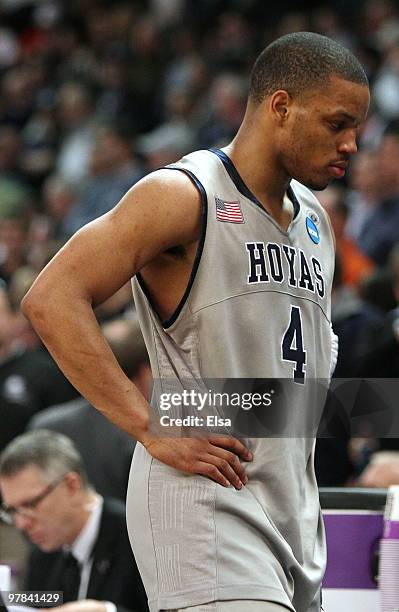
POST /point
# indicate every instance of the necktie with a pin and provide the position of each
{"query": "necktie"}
(70, 578)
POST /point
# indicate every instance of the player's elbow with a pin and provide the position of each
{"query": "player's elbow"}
(42, 301)
(33, 305)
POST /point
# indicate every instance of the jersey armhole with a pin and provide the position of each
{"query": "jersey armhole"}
(204, 217)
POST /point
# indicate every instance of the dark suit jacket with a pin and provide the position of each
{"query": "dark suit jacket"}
(114, 575)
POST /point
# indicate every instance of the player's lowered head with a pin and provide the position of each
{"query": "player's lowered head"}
(308, 95)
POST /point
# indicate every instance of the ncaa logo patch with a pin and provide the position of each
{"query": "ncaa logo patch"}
(312, 230)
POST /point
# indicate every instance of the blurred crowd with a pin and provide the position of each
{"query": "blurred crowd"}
(95, 94)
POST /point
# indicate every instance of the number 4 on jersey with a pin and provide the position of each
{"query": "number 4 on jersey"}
(292, 347)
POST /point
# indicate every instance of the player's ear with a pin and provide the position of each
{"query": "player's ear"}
(280, 105)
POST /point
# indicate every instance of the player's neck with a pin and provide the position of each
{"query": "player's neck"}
(258, 167)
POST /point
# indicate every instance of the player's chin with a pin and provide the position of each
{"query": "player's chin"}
(317, 184)
(316, 178)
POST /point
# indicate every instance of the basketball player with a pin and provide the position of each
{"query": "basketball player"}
(234, 263)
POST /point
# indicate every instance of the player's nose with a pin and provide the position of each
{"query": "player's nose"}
(349, 145)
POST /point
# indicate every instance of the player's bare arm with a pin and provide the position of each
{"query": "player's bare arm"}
(160, 212)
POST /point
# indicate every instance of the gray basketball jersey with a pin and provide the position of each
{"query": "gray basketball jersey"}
(257, 306)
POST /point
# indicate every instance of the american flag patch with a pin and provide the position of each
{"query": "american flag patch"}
(229, 211)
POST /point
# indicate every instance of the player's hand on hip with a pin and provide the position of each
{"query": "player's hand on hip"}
(217, 457)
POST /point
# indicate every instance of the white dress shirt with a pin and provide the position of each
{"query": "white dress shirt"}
(83, 546)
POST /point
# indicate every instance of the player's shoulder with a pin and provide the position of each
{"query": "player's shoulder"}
(184, 176)
(166, 182)
(167, 203)
(163, 192)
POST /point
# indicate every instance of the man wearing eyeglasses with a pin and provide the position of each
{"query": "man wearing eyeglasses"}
(80, 540)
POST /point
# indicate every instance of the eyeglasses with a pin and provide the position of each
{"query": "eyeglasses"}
(28, 508)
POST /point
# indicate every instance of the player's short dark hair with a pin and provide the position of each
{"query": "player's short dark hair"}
(301, 61)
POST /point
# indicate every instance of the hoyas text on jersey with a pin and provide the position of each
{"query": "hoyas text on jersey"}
(276, 263)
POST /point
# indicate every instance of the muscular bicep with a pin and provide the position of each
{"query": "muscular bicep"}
(160, 212)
